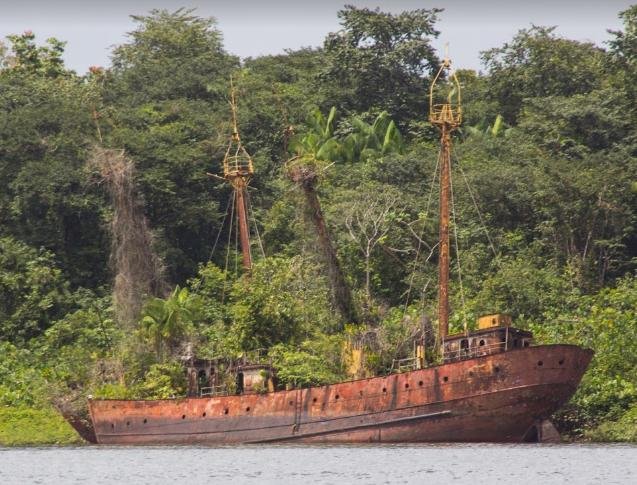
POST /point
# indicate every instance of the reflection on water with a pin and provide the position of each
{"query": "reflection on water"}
(476, 464)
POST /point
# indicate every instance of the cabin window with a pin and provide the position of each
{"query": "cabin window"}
(516, 343)
(464, 344)
(481, 342)
(525, 343)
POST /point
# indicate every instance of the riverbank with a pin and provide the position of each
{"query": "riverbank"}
(25, 426)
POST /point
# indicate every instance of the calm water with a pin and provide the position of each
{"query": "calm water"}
(426, 464)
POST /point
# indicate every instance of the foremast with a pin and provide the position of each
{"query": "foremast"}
(238, 170)
(447, 117)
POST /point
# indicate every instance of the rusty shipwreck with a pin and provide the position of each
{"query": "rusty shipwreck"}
(490, 385)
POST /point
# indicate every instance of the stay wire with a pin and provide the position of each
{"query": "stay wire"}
(214, 246)
(225, 269)
(475, 205)
(455, 236)
(424, 226)
(254, 222)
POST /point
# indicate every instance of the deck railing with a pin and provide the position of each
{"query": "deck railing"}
(220, 390)
(471, 352)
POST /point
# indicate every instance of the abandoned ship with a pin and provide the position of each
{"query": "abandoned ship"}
(490, 385)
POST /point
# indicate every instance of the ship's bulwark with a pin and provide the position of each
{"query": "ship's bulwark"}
(496, 398)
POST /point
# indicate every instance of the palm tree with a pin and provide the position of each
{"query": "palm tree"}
(167, 321)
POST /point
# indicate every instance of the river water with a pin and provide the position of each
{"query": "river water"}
(418, 464)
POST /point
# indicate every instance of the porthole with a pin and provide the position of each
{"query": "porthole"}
(291, 403)
(481, 343)
(496, 369)
(145, 420)
(127, 423)
(203, 415)
(470, 373)
(420, 383)
(183, 416)
(540, 363)
(561, 362)
(406, 385)
(225, 411)
(384, 389)
(337, 396)
(445, 378)
(314, 400)
(360, 393)
(112, 426)
(248, 409)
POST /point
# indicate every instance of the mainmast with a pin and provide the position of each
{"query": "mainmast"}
(238, 171)
(446, 116)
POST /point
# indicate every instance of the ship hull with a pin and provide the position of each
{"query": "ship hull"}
(494, 398)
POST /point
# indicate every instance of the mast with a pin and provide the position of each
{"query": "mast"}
(446, 116)
(238, 171)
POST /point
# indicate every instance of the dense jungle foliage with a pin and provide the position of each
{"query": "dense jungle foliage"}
(545, 188)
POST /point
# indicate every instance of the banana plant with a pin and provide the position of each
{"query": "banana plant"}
(379, 138)
(319, 142)
(498, 128)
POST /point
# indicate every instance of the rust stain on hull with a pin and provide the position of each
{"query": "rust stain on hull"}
(495, 398)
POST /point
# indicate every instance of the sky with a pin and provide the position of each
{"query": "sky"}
(255, 27)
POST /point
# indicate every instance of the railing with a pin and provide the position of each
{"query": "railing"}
(445, 113)
(468, 353)
(404, 365)
(220, 390)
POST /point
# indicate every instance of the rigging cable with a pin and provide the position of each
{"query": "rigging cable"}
(482, 223)
(422, 234)
(236, 245)
(214, 246)
(455, 236)
(254, 222)
(225, 269)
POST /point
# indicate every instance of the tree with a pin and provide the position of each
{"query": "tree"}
(314, 150)
(33, 291)
(166, 106)
(168, 321)
(368, 222)
(537, 63)
(171, 55)
(380, 61)
(45, 131)
(27, 58)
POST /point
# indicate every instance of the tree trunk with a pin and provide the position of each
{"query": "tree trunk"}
(342, 296)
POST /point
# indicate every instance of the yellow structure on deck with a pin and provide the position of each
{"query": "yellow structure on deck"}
(494, 320)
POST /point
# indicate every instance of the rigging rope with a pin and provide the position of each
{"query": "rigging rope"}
(225, 268)
(236, 247)
(455, 236)
(482, 223)
(254, 222)
(422, 234)
(214, 246)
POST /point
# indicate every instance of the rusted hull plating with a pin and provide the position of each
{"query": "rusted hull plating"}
(495, 398)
